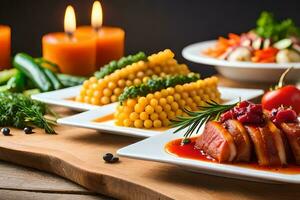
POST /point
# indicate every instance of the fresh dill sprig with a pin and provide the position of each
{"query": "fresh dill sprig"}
(196, 119)
(18, 110)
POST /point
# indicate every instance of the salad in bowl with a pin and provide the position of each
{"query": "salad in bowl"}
(259, 55)
(272, 41)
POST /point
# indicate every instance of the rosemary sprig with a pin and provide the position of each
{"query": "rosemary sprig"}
(196, 119)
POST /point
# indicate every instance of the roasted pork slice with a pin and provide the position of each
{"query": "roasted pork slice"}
(259, 145)
(268, 143)
(280, 143)
(217, 142)
(292, 131)
(241, 140)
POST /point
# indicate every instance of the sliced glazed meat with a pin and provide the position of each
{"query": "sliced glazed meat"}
(280, 143)
(217, 142)
(268, 143)
(292, 131)
(241, 140)
(259, 145)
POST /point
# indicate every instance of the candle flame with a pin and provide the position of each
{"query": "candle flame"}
(97, 15)
(70, 20)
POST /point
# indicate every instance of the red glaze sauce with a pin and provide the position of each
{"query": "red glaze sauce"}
(175, 148)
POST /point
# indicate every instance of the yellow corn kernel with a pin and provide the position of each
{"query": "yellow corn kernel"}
(112, 85)
(153, 102)
(157, 95)
(162, 102)
(158, 109)
(133, 116)
(105, 100)
(167, 107)
(138, 108)
(143, 101)
(149, 109)
(148, 123)
(107, 92)
(157, 123)
(121, 83)
(131, 103)
(138, 123)
(127, 122)
(144, 116)
(170, 99)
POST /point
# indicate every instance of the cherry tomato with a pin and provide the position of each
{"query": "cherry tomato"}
(287, 96)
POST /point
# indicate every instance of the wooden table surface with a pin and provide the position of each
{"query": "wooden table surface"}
(18, 182)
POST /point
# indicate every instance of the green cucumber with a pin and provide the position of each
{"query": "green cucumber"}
(53, 79)
(70, 80)
(26, 64)
(5, 75)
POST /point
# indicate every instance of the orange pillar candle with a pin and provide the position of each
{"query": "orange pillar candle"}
(74, 53)
(110, 40)
(5, 47)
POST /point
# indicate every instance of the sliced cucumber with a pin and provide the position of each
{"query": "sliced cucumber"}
(267, 43)
(283, 44)
(257, 43)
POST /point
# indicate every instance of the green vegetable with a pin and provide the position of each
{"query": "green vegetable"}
(269, 27)
(196, 119)
(123, 62)
(5, 75)
(69, 80)
(31, 92)
(53, 79)
(33, 71)
(47, 64)
(15, 83)
(18, 110)
(157, 84)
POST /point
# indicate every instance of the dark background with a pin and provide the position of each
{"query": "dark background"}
(150, 25)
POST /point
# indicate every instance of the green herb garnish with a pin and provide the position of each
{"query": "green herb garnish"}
(157, 84)
(18, 110)
(196, 119)
(269, 27)
(123, 62)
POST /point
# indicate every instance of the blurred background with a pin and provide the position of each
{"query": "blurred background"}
(150, 25)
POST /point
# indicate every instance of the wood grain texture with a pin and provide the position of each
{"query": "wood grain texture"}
(76, 154)
(25, 195)
(14, 177)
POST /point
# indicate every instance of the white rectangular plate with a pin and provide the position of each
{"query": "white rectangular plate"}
(64, 97)
(153, 149)
(86, 119)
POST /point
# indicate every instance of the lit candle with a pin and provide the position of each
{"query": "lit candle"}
(73, 53)
(110, 40)
(5, 46)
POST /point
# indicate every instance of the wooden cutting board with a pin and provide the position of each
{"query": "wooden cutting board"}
(76, 154)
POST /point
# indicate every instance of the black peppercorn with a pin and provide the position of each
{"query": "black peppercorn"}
(28, 130)
(114, 160)
(108, 157)
(5, 131)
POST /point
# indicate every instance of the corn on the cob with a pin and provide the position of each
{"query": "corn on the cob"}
(156, 109)
(107, 90)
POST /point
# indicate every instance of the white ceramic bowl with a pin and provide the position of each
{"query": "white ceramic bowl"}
(241, 71)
